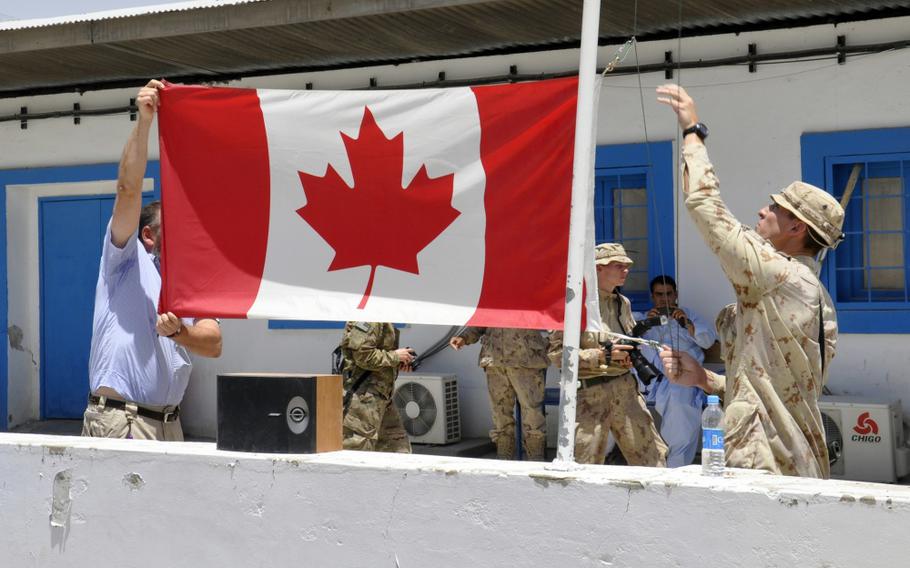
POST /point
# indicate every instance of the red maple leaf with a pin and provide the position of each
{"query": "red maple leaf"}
(377, 222)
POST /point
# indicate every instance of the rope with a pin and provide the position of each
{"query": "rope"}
(652, 197)
(677, 175)
(618, 57)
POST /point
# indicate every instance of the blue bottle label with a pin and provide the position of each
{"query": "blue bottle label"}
(712, 439)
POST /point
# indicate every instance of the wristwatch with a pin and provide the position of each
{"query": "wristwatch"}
(699, 129)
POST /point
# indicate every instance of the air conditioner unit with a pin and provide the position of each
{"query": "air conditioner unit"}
(428, 405)
(865, 438)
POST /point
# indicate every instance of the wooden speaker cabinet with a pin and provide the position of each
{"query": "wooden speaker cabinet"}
(279, 413)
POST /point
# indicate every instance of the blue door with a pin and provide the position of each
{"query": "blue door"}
(71, 231)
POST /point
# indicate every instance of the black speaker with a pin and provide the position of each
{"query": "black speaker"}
(279, 413)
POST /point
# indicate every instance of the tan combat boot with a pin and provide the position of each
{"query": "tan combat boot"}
(535, 448)
(505, 448)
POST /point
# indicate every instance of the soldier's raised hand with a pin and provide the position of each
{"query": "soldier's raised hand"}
(456, 342)
(679, 100)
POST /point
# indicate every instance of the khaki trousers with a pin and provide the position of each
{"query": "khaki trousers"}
(617, 406)
(505, 385)
(373, 424)
(105, 422)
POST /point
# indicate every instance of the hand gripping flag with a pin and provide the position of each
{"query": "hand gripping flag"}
(440, 206)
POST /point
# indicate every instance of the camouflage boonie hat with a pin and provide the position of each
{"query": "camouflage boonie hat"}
(605, 253)
(816, 208)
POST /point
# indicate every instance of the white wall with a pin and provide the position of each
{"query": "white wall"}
(138, 504)
(249, 346)
(756, 120)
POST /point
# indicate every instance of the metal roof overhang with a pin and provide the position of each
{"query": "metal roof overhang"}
(200, 42)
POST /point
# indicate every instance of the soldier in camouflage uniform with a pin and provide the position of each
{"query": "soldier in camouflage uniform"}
(372, 422)
(779, 337)
(515, 361)
(608, 397)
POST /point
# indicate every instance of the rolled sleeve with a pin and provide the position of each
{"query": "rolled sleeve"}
(366, 351)
(717, 384)
(472, 334)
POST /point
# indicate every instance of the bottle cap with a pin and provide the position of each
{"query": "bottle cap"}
(713, 399)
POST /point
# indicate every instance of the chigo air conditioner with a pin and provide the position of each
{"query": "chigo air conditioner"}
(428, 405)
(865, 439)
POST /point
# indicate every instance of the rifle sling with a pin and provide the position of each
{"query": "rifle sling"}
(354, 388)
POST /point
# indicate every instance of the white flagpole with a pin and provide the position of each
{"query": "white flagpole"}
(581, 202)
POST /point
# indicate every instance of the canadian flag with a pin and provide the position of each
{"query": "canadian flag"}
(437, 206)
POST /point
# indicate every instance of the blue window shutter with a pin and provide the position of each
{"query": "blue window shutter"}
(827, 160)
(632, 166)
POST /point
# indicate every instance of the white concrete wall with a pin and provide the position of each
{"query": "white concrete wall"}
(138, 504)
(756, 121)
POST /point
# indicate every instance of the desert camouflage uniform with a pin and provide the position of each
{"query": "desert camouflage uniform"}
(515, 361)
(769, 339)
(615, 405)
(372, 422)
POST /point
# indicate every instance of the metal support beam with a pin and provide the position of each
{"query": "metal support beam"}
(831, 51)
(666, 66)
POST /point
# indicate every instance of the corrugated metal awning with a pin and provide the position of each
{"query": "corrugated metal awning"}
(118, 13)
(221, 40)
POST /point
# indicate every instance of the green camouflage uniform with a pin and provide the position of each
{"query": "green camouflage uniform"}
(615, 405)
(515, 361)
(372, 422)
(770, 337)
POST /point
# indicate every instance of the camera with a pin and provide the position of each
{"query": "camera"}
(667, 312)
(643, 368)
(642, 326)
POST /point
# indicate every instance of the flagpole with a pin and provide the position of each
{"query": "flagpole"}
(581, 202)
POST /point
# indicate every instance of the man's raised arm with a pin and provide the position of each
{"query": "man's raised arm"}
(128, 202)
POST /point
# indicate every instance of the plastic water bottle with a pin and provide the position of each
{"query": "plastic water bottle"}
(712, 432)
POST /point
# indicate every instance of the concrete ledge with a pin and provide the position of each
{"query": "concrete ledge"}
(137, 503)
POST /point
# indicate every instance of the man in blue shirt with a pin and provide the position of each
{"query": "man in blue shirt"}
(679, 406)
(139, 365)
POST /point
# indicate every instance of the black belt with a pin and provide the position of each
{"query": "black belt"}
(141, 411)
(594, 381)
